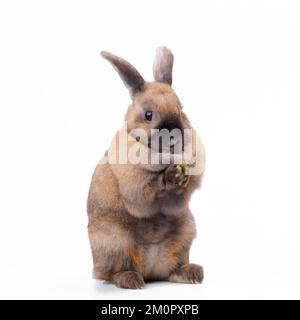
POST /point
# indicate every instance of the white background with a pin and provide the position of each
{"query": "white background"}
(237, 72)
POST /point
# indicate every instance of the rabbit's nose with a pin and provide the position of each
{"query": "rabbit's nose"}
(170, 125)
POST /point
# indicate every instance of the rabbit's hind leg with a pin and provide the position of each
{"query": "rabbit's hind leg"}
(189, 273)
(129, 280)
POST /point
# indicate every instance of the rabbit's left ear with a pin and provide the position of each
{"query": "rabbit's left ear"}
(163, 65)
(128, 73)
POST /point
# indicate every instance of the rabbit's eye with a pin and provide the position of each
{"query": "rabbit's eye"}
(148, 115)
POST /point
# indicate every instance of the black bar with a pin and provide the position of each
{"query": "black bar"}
(143, 309)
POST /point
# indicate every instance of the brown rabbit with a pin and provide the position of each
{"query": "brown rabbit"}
(140, 226)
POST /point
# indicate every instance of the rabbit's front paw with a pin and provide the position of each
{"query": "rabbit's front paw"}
(176, 174)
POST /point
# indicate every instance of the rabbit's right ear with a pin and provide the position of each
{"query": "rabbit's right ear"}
(163, 65)
(130, 76)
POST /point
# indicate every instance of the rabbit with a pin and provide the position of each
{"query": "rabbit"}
(139, 223)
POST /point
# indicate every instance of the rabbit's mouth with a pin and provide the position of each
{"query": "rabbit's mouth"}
(170, 147)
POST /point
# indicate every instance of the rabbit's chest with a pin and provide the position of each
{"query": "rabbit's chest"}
(155, 230)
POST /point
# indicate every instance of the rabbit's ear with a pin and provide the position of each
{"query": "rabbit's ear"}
(130, 76)
(163, 65)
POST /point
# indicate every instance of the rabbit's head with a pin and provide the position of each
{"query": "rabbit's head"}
(155, 105)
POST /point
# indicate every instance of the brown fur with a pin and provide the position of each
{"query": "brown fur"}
(140, 226)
